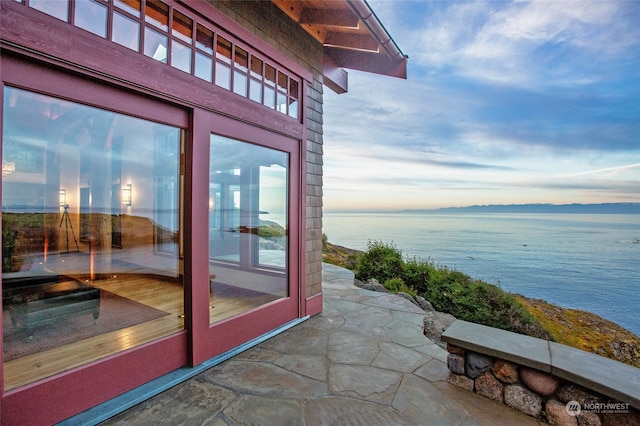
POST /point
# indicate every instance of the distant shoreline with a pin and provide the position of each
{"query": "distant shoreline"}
(575, 208)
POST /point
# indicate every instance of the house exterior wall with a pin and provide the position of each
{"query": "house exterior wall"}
(97, 72)
(307, 52)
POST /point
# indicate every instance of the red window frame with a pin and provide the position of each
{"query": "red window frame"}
(39, 402)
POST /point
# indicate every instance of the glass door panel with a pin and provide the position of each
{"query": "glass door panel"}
(90, 221)
(248, 226)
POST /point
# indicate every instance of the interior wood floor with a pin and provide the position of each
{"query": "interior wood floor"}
(160, 294)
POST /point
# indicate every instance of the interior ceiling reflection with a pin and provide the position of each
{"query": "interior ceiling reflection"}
(237, 157)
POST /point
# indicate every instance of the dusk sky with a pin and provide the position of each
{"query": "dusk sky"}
(505, 103)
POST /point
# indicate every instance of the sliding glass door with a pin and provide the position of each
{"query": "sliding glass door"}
(90, 234)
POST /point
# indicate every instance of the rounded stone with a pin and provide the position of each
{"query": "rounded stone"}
(477, 364)
(557, 415)
(453, 349)
(522, 399)
(455, 363)
(505, 371)
(374, 285)
(630, 418)
(424, 304)
(539, 382)
(573, 392)
(460, 381)
(489, 387)
(588, 418)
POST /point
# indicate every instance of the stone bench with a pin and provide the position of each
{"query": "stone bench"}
(40, 300)
(477, 352)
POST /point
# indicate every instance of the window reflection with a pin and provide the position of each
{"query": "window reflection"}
(248, 205)
(223, 50)
(240, 83)
(270, 80)
(157, 14)
(204, 39)
(255, 91)
(155, 45)
(126, 31)
(269, 97)
(91, 15)
(58, 9)
(282, 103)
(294, 108)
(182, 26)
(204, 67)
(180, 56)
(223, 76)
(81, 271)
(130, 6)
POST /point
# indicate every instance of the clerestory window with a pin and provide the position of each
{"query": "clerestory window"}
(165, 32)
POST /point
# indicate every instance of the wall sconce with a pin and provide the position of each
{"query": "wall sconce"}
(8, 167)
(126, 194)
(63, 198)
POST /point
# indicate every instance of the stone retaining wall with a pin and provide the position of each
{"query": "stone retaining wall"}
(539, 394)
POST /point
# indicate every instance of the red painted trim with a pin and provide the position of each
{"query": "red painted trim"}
(1, 312)
(368, 61)
(197, 248)
(59, 397)
(228, 334)
(38, 77)
(314, 304)
(336, 78)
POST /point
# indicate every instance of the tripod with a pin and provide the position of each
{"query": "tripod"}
(67, 225)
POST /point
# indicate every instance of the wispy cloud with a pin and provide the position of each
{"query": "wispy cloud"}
(607, 170)
(503, 98)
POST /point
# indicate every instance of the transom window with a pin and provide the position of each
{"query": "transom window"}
(182, 40)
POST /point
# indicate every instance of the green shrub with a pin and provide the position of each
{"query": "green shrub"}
(380, 261)
(416, 273)
(395, 285)
(448, 290)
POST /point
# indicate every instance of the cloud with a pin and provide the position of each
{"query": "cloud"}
(517, 42)
(607, 170)
(505, 102)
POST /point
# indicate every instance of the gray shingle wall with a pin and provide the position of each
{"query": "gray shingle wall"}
(265, 20)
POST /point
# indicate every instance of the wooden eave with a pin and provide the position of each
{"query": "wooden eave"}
(352, 36)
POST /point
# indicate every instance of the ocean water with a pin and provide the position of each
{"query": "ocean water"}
(582, 261)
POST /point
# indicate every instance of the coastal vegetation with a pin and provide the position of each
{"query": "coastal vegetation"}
(469, 299)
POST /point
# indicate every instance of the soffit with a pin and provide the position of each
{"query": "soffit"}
(352, 35)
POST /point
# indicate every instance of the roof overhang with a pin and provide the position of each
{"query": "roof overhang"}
(352, 35)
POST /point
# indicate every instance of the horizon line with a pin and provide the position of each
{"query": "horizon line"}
(434, 209)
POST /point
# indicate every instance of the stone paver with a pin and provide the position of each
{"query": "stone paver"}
(363, 361)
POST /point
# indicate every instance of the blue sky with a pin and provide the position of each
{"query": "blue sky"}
(505, 103)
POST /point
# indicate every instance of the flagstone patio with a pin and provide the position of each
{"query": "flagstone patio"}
(362, 361)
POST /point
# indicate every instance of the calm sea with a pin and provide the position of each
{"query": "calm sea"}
(587, 262)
